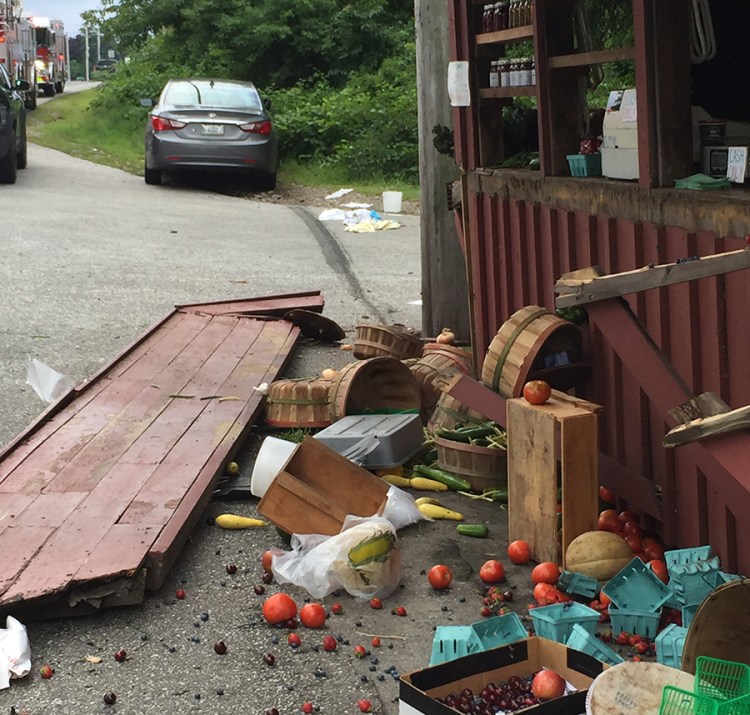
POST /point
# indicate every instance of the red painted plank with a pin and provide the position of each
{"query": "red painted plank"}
(20, 543)
(50, 509)
(121, 552)
(274, 305)
(518, 255)
(11, 507)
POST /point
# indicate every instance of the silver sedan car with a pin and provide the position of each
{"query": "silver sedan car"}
(216, 124)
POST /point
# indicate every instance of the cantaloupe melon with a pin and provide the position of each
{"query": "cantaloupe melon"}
(597, 554)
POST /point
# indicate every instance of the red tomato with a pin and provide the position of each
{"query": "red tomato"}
(440, 577)
(279, 608)
(604, 599)
(537, 392)
(634, 542)
(542, 590)
(606, 495)
(545, 572)
(312, 615)
(626, 516)
(492, 571)
(608, 521)
(632, 527)
(660, 569)
(654, 551)
(266, 561)
(519, 552)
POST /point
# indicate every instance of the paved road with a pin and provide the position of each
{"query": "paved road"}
(92, 257)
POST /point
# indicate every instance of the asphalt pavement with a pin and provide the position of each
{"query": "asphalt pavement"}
(93, 257)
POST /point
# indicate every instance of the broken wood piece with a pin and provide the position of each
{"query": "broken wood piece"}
(576, 291)
(705, 405)
(705, 427)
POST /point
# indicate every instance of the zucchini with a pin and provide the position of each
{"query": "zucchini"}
(449, 480)
(427, 485)
(466, 434)
(478, 531)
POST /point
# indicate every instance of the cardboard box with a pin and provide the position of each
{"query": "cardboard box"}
(317, 488)
(418, 690)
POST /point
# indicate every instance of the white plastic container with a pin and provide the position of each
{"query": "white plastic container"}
(392, 202)
(273, 454)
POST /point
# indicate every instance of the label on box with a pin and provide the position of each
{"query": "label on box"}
(737, 164)
(629, 106)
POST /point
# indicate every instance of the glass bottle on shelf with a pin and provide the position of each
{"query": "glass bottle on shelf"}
(485, 16)
(495, 17)
(505, 73)
(494, 75)
(527, 12)
(533, 71)
(511, 13)
(504, 20)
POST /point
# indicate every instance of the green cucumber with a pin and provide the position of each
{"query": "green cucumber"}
(451, 481)
(478, 531)
(466, 434)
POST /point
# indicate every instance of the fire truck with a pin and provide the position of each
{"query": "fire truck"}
(18, 47)
(51, 55)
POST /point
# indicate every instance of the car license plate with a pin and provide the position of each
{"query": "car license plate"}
(214, 130)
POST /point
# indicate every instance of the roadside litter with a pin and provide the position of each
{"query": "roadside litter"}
(15, 652)
(338, 194)
(49, 384)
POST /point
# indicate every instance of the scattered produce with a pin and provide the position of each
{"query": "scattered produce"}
(440, 577)
(478, 531)
(279, 608)
(266, 560)
(426, 500)
(312, 615)
(329, 374)
(231, 569)
(337, 609)
(597, 554)
(537, 392)
(220, 648)
(234, 521)
(401, 611)
(606, 495)
(446, 337)
(180, 594)
(294, 640)
(121, 656)
(365, 706)
(329, 644)
(269, 659)
(546, 572)
(487, 434)
(360, 651)
(548, 685)
(307, 708)
(450, 480)
(519, 552)
(397, 480)
(509, 696)
(375, 642)
(427, 485)
(434, 511)
(46, 671)
(659, 568)
(376, 604)
(498, 494)
(232, 469)
(492, 571)
(110, 698)
(375, 548)
(259, 589)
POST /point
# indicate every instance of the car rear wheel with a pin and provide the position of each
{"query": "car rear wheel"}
(152, 176)
(9, 164)
(267, 182)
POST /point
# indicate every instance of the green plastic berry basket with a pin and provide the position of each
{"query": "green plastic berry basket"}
(726, 682)
(675, 701)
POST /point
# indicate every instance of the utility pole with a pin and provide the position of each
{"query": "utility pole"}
(445, 300)
(86, 54)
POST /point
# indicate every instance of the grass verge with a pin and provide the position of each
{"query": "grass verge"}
(68, 124)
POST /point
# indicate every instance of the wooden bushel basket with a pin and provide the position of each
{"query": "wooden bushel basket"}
(483, 467)
(392, 341)
(516, 354)
(298, 403)
(430, 371)
(379, 385)
(461, 359)
(450, 412)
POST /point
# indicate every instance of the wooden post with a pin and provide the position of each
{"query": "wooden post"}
(445, 301)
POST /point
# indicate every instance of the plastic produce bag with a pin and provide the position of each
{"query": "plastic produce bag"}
(363, 559)
(15, 652)
(401, 509)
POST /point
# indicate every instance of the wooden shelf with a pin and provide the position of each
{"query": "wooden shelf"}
(515, 34)
(507, 92)
(585, 59)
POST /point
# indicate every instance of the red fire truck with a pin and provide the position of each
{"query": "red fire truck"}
(18, 48)
(51, 55)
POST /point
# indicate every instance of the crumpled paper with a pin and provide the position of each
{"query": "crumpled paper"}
(49, 384)
(15, 652)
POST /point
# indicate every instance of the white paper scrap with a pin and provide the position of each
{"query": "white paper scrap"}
(458, 84)
(15, 652)
(49, 384)
(338, 194)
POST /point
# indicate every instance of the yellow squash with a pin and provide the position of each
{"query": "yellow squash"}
(235, 521)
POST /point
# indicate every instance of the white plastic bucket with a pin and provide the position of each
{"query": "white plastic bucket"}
(272, 456)
(392, 202)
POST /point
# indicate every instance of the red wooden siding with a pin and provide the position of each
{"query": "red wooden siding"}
(519, 249)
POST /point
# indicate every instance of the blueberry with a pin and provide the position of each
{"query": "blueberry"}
(444, 609)
(363, 678)
(172, 649)
(380, 677)
(275, 640)
(220, 691)
(374, 659)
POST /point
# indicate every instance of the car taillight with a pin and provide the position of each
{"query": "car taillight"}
(160, 124)
(257, 127)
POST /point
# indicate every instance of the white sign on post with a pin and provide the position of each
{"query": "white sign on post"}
(458, 84)
(737, 164)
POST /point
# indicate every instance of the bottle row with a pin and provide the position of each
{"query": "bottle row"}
(519, 72)
(507, 14)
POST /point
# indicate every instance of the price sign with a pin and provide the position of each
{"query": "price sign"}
(458, 84)
(737, 164)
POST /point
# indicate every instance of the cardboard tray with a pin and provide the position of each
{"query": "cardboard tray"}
(418, 690)
(317, 488)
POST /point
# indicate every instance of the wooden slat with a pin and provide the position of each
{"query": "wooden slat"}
(120, 553)
(595, 57)
(274, 305)
(701, 429)
(11, 506)
(580, 476)
(574, 292)
(20, 543)
(514, 34)
(532, 484)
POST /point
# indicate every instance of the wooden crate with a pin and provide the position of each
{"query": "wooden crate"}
(563, 431)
